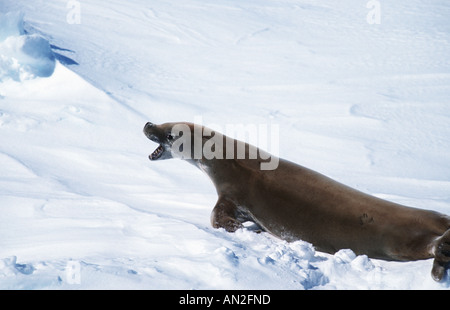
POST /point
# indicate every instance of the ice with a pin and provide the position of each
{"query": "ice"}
(23, 56)
(11, 24)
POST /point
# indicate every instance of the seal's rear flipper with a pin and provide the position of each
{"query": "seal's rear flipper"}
(442, 257)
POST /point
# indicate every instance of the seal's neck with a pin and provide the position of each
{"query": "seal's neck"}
(202, 164)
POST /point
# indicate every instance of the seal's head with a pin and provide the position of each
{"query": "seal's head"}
(174, 140)
(161, 134)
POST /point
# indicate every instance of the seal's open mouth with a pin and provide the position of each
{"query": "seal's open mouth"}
(158, 135)
(157, 153)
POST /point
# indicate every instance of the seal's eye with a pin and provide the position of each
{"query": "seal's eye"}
(169, 137)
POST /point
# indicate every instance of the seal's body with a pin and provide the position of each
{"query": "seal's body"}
(293, 202)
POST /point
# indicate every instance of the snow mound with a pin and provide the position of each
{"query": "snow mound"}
(23, 56)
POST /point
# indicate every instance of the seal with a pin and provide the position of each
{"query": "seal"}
(293, 202)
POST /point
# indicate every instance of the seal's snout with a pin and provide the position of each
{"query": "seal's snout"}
(148, 126)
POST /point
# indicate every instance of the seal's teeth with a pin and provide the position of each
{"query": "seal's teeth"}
(157, 153)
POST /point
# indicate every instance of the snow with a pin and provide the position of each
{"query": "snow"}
(23, 56)
(83, 208)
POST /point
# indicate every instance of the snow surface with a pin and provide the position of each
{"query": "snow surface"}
(23, 56)
(83, 208)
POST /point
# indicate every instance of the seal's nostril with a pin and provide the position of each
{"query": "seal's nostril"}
(147, 129)
(148, 126)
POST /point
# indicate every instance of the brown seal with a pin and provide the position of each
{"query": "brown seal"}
(293, 202)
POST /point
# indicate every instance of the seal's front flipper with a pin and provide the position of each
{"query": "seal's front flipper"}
(225, 215)
(441, 257)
